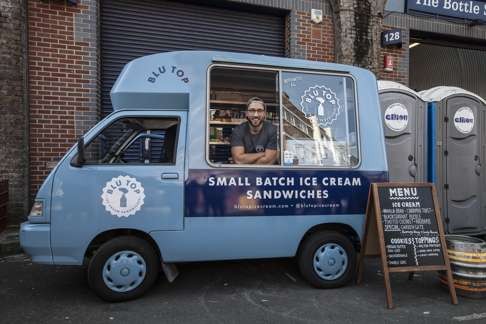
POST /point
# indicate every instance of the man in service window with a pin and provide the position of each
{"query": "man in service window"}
(255, 141)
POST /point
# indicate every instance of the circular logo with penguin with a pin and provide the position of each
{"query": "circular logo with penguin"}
(321, 102)
(123, 196)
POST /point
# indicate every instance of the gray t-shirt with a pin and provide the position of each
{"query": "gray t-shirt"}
(255, 143)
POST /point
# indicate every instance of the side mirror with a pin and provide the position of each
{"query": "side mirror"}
(79, 159)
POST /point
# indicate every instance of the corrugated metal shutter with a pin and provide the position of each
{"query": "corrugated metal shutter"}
(434, 65)
(130, 29)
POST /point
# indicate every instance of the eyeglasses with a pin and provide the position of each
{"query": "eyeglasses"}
(255, 111)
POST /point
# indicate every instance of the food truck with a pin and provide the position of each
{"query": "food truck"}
(154, 183)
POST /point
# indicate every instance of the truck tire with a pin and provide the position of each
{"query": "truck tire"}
(327, 259)
(123, 268)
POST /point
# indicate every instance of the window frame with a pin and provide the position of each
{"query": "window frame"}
(95, 136)
(280, 71)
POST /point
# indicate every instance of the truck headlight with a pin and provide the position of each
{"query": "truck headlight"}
(37, 209)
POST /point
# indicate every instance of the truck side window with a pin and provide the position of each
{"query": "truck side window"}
(230, 92)
(135, 140)
(314, 116)
(319, 120)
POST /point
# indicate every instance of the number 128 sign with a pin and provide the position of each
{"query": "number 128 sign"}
(391, 37)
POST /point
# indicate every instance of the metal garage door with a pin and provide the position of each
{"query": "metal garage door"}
(131, 28)
(435, 65)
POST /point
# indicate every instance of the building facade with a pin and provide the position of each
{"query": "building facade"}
(442, 44)
(65, 56)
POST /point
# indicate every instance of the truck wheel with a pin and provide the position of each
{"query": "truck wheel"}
(123, 268)
(327, 259)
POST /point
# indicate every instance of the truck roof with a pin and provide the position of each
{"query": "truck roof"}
(172, 80)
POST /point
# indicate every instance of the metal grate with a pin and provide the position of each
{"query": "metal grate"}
(130, 29)
(434, 65)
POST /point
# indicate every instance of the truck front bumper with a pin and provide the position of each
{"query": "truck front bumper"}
(35, 239)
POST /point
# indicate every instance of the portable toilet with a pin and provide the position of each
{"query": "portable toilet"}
(404, 119)
(457, 131)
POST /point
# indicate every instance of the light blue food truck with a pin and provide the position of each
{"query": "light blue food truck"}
(155, 183)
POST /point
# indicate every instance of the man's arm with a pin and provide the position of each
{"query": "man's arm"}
(238, 148)
(269, 157)
(271, 152)
(240, 157)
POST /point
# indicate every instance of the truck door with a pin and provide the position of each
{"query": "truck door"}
(133, 178)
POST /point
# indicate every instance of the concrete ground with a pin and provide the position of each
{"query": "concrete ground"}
(265, 291)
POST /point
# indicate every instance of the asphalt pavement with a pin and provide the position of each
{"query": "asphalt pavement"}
(264, 291)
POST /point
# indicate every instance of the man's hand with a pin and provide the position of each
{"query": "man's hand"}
(269, 157)
(240, 157)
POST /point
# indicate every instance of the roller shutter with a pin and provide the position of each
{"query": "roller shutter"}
(434, 65)
(130, 29)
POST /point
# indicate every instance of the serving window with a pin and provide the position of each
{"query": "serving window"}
(319, 120)
(230, 90)
(312, 115)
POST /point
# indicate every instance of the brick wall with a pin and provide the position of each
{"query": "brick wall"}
(13, 108)
(63, 79)
(400, 60)
(64, 72)
(312, 41)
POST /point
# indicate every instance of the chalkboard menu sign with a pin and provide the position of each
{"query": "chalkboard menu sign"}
(405, 219)
(410, 229)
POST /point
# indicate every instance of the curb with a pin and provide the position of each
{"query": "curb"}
(9, 242)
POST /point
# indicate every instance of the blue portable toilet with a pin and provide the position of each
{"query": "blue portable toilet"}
(457, 145)
(404, 123)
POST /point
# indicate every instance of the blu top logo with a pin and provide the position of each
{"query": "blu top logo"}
(172, 70)
(396, 117)
(322, 103)
(464, 120)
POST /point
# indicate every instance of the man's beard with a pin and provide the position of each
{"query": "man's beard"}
(251, 122)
